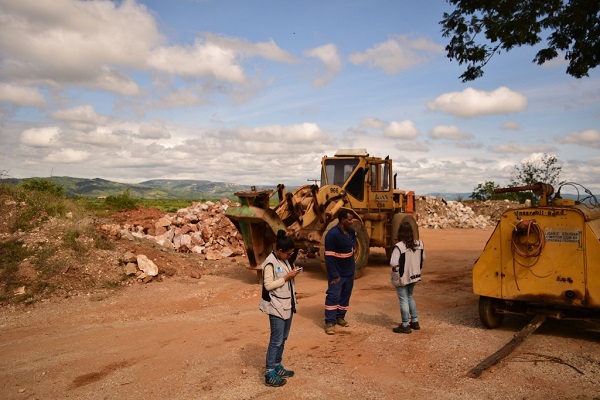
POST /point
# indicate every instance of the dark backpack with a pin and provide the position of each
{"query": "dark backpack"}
(265, 293)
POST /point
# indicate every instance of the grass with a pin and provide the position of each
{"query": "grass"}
(50, 261)
(12, 253)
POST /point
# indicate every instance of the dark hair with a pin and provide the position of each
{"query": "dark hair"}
(343, 214)
(406, 235)
(284, 242)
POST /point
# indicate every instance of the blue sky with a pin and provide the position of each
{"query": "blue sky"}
(256, 92)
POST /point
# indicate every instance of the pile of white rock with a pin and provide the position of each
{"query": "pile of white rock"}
(437, 213)
(201, 228)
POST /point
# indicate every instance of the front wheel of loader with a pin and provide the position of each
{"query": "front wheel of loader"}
(398, 219)
(488, 311)
(361, 252)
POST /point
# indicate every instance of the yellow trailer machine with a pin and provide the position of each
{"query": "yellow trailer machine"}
(543, 259)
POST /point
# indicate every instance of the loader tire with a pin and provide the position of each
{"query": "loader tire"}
(361, 253)
(398, 219)
(488, 312)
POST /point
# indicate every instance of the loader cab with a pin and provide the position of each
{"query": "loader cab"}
(347, 170)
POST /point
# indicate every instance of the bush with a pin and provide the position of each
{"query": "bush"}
(121, 202)
(43, 185)
(34, 205)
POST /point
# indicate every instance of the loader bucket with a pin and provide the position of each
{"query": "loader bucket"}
(258, 227)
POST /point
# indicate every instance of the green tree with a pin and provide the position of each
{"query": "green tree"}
(43, 185)
(484, 191)
(546, 169)
(123, 201)
(478, 29)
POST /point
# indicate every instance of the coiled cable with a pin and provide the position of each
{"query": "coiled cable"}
(528, 241)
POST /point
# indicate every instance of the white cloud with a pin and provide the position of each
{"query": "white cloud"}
(411, 147)
(66, 41)
(101, 137)
(41, 137)
(474, 103)
(154, 131)
(402, 130)
(470, 145)
(328, 54)
(511, 126)
(372, 123)
(587, 138)
(302, 133)
(83, 113)
(267, 50)
(398, 54)
(112, 80)
(94, 43)
(67, 156)
(214, 56)
(21, 95)
(449, 132)
(203, 59)
(511, 148)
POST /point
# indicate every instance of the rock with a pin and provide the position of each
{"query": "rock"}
(213, 255)
(146, 265)
(195, 274)
(164, 222)
(130, 268)
(129, 257)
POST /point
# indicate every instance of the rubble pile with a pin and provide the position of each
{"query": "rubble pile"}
(141, 266)
(201, 228)
(437, 213)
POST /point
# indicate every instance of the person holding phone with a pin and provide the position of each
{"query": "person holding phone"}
(279, 302)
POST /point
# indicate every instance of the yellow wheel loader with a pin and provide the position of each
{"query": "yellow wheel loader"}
(350, 179)
(541, 260)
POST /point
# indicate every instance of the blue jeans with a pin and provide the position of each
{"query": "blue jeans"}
(280, 329)
(408, 308)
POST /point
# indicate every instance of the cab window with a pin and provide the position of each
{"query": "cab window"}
(380, 177)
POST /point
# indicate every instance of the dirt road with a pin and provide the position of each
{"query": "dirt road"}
(186, 338)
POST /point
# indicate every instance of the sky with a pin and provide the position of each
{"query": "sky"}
(257, 92)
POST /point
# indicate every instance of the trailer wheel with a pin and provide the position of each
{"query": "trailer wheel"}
(488, 312)
(361, 253)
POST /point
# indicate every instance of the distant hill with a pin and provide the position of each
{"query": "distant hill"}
(152, 189)
(186, 189)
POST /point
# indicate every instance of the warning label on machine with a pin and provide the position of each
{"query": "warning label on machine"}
(563, 235)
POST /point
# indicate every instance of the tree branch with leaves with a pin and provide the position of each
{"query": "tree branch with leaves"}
(480, 29)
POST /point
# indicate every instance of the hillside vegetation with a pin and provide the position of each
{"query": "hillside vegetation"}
(152, 189)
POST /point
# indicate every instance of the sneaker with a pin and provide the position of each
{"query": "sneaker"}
(282, 372)
(342, 322)
(330, 328)
(272, 379)
(402, 329)
(415, 325)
